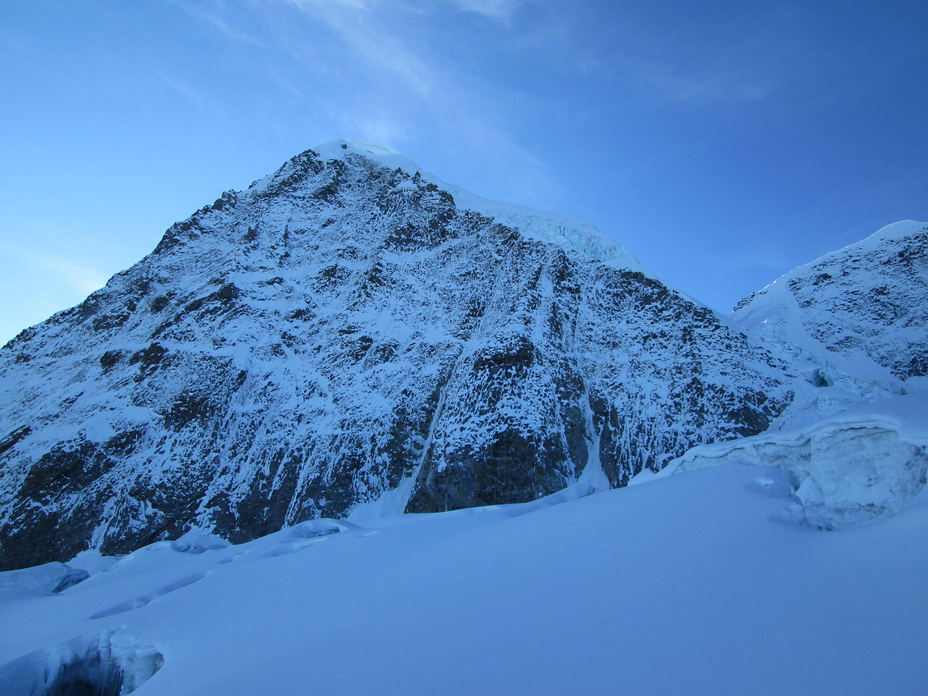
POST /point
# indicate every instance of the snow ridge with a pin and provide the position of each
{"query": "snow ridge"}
(547, 226)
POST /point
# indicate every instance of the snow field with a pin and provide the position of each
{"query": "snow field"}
(699, 583)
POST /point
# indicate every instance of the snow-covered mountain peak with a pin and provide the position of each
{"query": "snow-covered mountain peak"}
(890, 235)
(346, 332)
(894, 232)
(547, 226)
(856, 315)
(387, 156)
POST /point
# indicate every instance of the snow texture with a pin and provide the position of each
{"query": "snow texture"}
(699, 584)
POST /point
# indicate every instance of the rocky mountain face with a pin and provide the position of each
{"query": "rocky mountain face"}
(858, 316)
(351, 332)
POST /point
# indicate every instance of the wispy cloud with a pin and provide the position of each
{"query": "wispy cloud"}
(327, 4)
(357, 62)
(366, 39)
(72, 273)
(497, 9)
(181, 87)
(231, 32)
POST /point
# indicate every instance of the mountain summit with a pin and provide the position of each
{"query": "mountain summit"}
(352, 336)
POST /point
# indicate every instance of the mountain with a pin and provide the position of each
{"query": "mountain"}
(855, 323)
(856, 316)
(352, 336)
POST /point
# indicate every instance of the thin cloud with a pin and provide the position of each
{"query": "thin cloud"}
(359, 69)
(232, 33)
(79, 277)
(497, 9)
(217, 22)
(323, 4)
(181, 88)
(355, 25)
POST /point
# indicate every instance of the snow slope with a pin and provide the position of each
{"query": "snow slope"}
(699, 583)
(857, 316)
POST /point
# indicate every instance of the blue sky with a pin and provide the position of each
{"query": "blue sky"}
(723, 143)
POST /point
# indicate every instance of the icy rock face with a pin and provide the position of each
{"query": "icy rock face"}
(842, 473)
(857, 316)
(343, 329)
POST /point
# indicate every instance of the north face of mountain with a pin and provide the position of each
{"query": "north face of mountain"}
(350, 331)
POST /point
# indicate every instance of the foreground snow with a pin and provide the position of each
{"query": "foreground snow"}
(698, 583)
